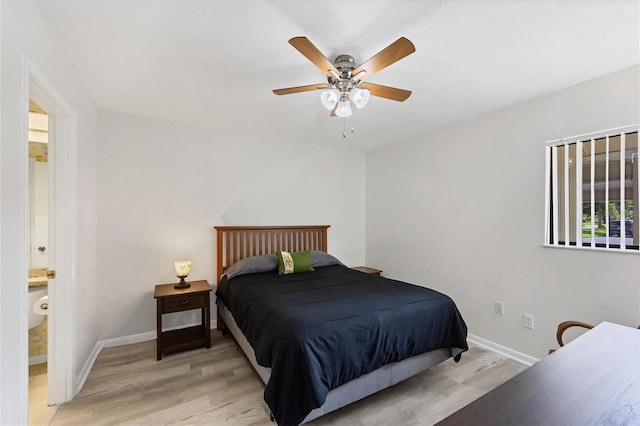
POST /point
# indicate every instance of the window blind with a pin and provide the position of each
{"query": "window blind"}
(592, 186)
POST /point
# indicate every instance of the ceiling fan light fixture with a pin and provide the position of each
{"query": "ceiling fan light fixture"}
(360, 97)
(329, 98)
(344, 106)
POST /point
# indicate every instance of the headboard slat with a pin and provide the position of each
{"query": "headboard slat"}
(234, 243)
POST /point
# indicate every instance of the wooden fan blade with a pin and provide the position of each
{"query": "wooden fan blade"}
(304, 46)
(387, 92)
(333, 111)
(300, 89)
(387, 56)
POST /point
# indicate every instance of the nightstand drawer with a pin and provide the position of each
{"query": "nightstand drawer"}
(183, 302)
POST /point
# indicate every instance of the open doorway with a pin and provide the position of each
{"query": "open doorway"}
(60, 236)
(40, 412)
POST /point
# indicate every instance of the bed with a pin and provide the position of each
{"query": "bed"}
(328, 336)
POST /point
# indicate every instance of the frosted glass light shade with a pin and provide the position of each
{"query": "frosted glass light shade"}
(360, 97)
(329, 98)
(182, 267)
(344, 108)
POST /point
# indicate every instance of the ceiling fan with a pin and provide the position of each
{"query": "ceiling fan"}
(345, 78)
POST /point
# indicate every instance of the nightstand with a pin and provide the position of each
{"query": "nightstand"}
(367, 270)
(169, 300)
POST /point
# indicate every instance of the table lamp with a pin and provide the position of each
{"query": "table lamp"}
(182, 271)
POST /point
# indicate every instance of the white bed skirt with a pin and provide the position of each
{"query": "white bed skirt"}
(354, 390)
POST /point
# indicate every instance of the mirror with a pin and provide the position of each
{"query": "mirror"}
(39, 188)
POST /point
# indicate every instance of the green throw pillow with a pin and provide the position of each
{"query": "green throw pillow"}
(290, 263)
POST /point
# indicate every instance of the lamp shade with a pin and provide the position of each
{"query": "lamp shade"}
(360, 97)
(182, 267)
(344, 107)
(329, 98)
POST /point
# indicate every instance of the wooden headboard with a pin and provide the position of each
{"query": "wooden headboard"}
(237, 242)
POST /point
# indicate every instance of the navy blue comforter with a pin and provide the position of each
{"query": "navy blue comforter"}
(319, 330)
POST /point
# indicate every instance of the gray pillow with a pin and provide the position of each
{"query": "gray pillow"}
(320, 259)
(253, 265)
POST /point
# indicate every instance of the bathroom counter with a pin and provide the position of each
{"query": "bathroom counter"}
(36, 282)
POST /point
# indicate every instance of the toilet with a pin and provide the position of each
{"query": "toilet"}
(37, 305)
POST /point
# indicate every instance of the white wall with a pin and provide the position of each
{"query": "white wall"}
(24, 34)
(462, 211)
(163, 186)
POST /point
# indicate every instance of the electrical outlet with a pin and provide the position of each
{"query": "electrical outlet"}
(499, 307)
(527, 321)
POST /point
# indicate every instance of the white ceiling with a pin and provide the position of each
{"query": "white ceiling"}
(214, 63)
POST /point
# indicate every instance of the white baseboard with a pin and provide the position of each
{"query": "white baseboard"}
(502, 350)
(118, 341)
(84, 373)
(38, 359)
(145, 337)
(131, 339)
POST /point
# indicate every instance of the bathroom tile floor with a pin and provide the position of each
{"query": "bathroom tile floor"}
(39, 412)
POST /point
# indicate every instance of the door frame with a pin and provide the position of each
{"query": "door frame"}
(62, 152)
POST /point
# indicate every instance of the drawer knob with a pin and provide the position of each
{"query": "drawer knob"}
(184, 302)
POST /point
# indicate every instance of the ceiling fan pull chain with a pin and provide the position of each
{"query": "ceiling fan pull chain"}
(344, 128)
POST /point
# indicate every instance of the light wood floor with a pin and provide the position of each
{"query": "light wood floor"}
(217, 387)
(39, 412)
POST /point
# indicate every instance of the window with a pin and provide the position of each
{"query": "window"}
(592, 190)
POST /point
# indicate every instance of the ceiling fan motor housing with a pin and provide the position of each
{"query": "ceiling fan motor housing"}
(345, 64)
